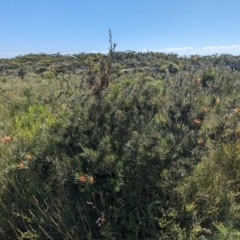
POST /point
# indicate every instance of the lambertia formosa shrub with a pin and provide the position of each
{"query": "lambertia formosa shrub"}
(126, 156)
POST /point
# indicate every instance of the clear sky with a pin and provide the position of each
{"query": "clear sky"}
(184, 27)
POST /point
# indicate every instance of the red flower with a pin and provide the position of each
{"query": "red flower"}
(82, 179)
(197, 121)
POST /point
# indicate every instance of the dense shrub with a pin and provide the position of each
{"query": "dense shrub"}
(118, 155)
(48, 75)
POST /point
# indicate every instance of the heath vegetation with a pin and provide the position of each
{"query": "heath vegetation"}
(126, 145)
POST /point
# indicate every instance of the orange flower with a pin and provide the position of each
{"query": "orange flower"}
(21, 165)
(205, 110)
(197, 121)
(82, 179)
(29, 157)
(6, 139)
(200, 141)
(235, 110)
(198, 80)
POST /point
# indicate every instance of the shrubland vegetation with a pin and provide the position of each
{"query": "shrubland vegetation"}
(120, 146)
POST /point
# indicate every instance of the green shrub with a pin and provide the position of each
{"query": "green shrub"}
(48, 75)
(26, 125)
(110, 157)
(4, 80)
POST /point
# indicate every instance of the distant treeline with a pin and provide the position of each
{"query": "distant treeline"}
(128, 61)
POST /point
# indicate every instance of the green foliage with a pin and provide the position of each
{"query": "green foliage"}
(173, 68)
(26, 125)
(133, 146)
(208, 76)
(163, 68)
(3, 80)
(211, 192)
(47, 75)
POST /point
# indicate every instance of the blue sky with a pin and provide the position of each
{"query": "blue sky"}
(184, 27)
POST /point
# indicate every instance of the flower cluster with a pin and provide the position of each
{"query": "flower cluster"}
(85, 179)
(6, 139)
